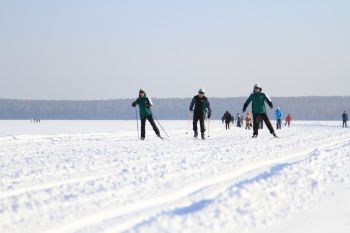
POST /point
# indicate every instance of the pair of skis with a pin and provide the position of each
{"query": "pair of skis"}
(256, 136)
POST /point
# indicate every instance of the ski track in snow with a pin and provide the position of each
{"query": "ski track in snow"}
(112, 182)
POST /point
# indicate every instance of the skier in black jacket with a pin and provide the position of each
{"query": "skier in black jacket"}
(345, 119)
(200, 106)
(227, 118)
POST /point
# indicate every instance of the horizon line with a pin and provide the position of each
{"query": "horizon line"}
(161, 98)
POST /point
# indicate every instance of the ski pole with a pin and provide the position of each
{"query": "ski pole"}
(137, 123)
(208, 128)
(160, 125)
(188, 124)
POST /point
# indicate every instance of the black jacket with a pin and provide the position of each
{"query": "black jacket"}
(227, 117)
(200, 105)
(345, 117)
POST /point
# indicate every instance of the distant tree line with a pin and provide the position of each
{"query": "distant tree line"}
(302, 108)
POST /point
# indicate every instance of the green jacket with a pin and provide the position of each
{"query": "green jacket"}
(258, 100)
(145, 105)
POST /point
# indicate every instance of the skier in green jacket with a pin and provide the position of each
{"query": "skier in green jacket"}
(258, 99)
(145, 104)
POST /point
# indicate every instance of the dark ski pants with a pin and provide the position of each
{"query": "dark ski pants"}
(257, 119)
(287, 123)
(345, 124)
(227, 125)
(279, 124)
(201, 119)
(143, 126)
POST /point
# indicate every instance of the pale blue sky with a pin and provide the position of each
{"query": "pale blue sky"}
(79, 49)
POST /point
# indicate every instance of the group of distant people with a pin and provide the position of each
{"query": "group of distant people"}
(35, 120)
(229, 119)
(279, 115)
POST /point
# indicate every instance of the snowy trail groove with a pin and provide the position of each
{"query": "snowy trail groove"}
(112, 182)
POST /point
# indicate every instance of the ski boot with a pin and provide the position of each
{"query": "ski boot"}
(274, 134)
(142, 138)
(195, 135)
(203, 136)
(255, 136)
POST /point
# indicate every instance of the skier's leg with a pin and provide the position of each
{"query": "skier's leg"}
(195, 122)
(155, 128)
(202, 124)
(268, 123)
(256, 123)
(143, 127)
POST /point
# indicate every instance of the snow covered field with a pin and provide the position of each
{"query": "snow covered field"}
(96, 176)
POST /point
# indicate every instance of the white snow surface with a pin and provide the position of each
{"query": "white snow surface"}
(96, 176)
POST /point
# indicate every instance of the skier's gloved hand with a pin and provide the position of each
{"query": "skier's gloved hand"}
(243, 110)
(209, 116)
(135, 102)
(148, 106)
(191, 110)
